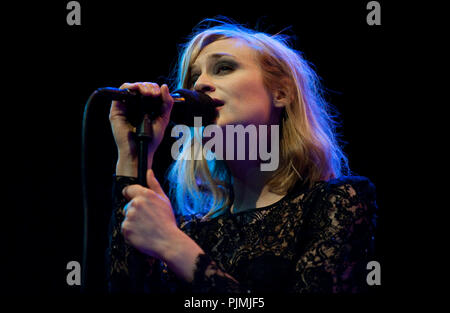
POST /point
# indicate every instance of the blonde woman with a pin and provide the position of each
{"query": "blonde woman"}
(230, 226)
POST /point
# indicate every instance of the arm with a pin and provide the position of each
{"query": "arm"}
(118, 252)
(208, 276)
(183, 256)
(337, 241)
(150, 227)
(121, 256)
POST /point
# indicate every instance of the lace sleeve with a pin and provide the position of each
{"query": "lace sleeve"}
(337, 242)
(128, 270)
(209, 278)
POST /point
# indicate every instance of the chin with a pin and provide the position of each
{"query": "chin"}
(222, 121)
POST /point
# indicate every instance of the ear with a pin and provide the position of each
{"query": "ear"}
(282, 96)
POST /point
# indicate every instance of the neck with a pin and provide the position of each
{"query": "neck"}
(250, 185)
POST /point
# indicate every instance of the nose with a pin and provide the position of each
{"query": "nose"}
(204, 84)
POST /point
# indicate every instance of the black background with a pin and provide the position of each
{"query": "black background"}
(53, 68)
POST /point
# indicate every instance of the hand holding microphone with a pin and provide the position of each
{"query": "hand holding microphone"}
(134, 97)
(131, 101)
(149, 223)
(123, 130)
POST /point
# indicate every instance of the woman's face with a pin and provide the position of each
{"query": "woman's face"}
(228, 70)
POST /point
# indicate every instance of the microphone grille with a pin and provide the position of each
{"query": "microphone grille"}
(196, 104)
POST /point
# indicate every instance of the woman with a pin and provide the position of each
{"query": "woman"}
(302, 227)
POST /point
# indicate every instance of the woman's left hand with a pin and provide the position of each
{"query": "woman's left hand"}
(149, 223)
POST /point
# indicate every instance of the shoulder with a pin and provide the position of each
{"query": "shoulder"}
(345, 186)
(352, 196)
(348, 186)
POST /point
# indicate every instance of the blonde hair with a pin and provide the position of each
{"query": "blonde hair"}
(309, 147)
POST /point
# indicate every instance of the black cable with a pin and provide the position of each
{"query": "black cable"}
(84, 192)
(144, 136)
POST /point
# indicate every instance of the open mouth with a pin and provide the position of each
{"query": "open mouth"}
(218, 103)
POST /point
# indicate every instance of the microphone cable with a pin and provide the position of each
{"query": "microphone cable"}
(84, 192)
(195, 104)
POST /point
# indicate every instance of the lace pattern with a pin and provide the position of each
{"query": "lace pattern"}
(314, 240)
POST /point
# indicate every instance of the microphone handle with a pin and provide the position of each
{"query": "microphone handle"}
(191, 104)
(137, 105)
(127, 94)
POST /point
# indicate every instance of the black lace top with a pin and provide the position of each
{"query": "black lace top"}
(314, 240)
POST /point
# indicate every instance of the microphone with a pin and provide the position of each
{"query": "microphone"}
(187, 105)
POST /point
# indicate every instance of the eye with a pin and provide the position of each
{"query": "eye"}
(223, 68)
(194, 78)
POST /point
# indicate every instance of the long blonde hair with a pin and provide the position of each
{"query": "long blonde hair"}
(309, 146)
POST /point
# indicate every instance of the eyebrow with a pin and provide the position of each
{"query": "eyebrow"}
(214, 56)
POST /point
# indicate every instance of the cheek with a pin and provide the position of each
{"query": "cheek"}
(252, 99)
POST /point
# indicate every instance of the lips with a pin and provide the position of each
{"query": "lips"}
(218, 102)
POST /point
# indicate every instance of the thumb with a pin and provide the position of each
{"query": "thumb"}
(168, 101)
(153, 183)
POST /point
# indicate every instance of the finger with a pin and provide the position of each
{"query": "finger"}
(130, 86)
(153, 183)
(150, 89)
(124, 228)
(125, 209)
(119, 105)
(133, 191)
(167, 99)
(144, 88)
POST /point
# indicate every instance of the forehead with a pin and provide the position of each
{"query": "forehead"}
(233, 46)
